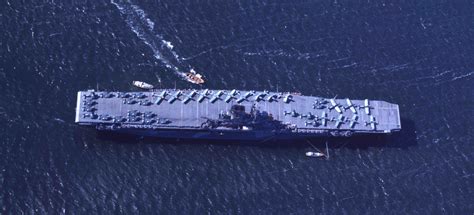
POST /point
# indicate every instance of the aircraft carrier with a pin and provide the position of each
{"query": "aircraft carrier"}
(232, 114)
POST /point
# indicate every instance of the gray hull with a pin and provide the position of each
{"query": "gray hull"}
(216, 135)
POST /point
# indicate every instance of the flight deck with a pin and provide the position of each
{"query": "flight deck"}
(234, 110)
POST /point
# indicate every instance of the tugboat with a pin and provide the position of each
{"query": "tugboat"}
(143, 85)
(315, 154)
(318, 154)
(193, 77)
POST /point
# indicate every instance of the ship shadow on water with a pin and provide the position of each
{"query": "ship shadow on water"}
(404, 139)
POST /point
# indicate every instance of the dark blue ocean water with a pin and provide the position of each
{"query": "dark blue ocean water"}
(419, 54)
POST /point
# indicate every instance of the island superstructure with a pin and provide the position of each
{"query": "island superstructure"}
(233, 114)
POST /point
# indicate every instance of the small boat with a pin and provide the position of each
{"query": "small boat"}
(143, 85)
(194, 77)
(315, 154)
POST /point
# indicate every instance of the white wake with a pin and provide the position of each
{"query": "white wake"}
(143, 27)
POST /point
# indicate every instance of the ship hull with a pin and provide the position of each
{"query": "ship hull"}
(215, 134)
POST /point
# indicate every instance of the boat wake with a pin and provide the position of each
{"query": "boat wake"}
(143, 27)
